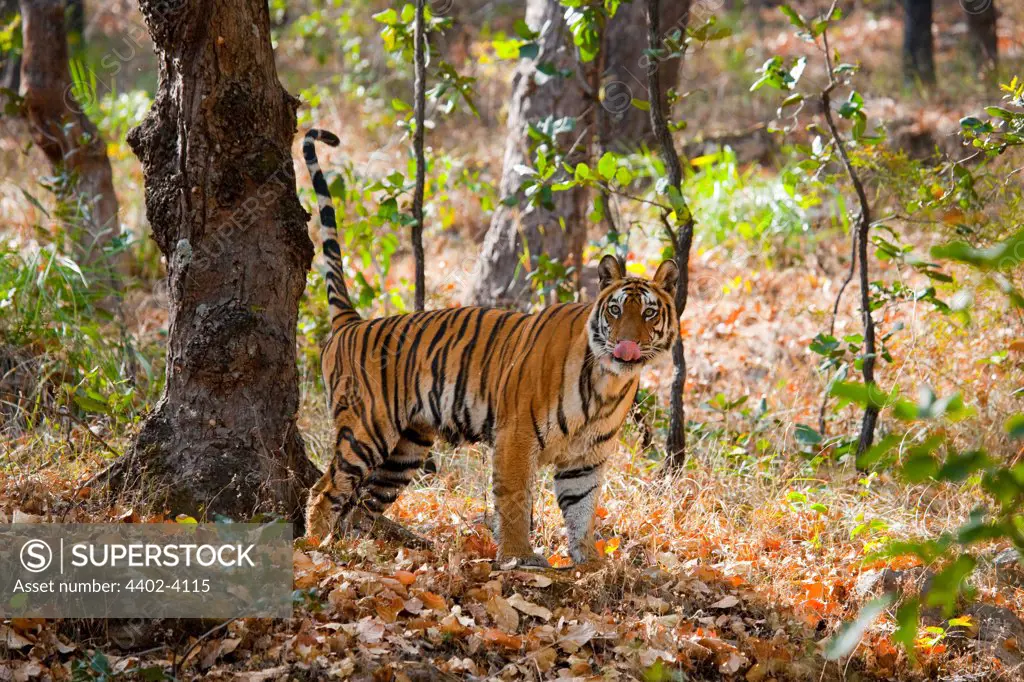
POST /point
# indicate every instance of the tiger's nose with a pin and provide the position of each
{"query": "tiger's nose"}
(627, 350)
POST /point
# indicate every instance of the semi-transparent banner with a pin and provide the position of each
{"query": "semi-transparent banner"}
(148, 570)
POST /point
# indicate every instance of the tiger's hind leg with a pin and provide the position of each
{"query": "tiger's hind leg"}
(385, 484)
(334, 497)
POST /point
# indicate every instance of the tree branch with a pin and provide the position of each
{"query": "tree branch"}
(867, 430)
(420, 39)
(680, 234)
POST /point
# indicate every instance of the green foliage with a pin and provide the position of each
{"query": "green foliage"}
(736, 206)
(918, 445)
(586, 20)
(552, 281)
(1005, 128)
(97, 668)
(53, 309)
(120, 112)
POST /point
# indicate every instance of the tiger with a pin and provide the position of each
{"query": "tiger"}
(547, 388)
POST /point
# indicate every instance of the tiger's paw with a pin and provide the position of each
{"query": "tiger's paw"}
(530, 560)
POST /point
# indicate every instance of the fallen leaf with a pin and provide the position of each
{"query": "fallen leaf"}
(433, 601)
(370, 631)
(10, 639)
(24, 517)
(505, 617)
(559, 561)
(576, 636)
(726, 602)
(529, 608)
(544, 658)
(499, 638)
(405, 577)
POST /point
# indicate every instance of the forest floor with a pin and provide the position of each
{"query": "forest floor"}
(742, 564)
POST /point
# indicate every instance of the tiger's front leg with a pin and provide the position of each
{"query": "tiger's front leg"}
(514, 467)
(576, 490)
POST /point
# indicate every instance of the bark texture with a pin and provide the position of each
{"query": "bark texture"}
(981, 25)
(623, 126)
(918, 45)
(220, 196)
(68, 138)
(500, 278)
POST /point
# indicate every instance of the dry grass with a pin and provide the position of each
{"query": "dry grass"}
(734, 518)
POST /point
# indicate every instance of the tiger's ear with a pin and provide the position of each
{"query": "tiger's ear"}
(666, 276)
(608, 271)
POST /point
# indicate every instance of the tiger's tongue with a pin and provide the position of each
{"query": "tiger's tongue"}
(628, 351)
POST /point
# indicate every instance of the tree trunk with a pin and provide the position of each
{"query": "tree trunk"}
(220, 195)
(624, 127)
(500, 276)
(918, 46)
(981, 24)
(68, 138)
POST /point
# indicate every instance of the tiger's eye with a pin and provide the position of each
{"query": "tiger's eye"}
(615, 310)
(650, 313)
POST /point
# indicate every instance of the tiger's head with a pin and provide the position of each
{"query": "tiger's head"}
(634, 319)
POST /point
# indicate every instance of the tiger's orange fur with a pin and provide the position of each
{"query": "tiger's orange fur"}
(550, 388)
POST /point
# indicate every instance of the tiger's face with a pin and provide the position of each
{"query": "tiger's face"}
(634, 319)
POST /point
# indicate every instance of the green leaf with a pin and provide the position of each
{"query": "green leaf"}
(907, 617)
(850, 634)
(864, 395)
(606, 166)
(90, 401)
(806, 436)
(641, 104)
(960, 465)
(1001, 256)
(529, 51)
(623, 176)
(795, 98)
(794, 17)
(949, 582)
(1015, 426)
(920, 467)
(852, 106)
(870, 457)
(399, 105)
(524, 31)
(582, 171)
(388, 16)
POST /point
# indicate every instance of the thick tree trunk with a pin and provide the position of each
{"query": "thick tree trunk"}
(918, 46)
(500, 275)
(220, 195)
(981, 24)
(624, 127)
(68, 138)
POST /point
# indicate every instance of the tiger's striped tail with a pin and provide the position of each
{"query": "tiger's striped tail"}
(340, 305)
